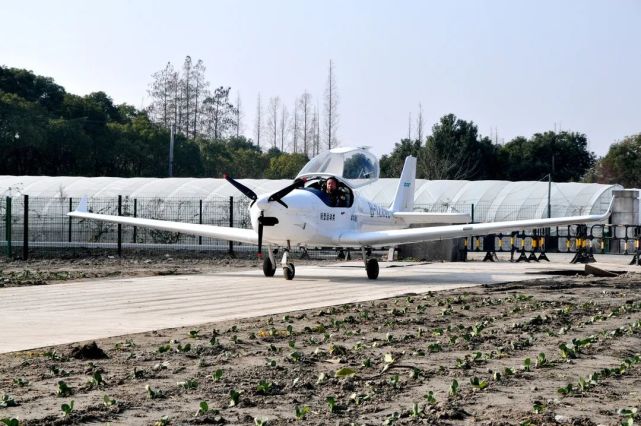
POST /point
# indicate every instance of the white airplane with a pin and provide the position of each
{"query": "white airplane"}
(302, 214)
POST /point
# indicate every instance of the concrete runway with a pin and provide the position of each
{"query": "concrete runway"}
(39, 316)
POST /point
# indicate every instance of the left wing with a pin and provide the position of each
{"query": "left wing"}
(219, 232)
(415, 235)
(411, 218)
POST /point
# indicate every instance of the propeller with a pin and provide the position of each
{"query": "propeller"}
(278, 195)
(242, 188)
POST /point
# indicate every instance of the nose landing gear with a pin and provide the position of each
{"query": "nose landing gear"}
(371, 264)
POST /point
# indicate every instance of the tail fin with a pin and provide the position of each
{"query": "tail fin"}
(404, 198)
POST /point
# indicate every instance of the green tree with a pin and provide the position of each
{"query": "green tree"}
(620, 165)
(392, 164)
(285, 166)
(563, 154)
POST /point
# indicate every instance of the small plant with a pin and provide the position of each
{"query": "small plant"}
(567, 352)
(67, 408)
(188, 384)
(183, 349)
(434, 347)
(10, 421)
(264, 387)
(203, 408)
(431, 400)
(301, 412)
(566, 390)
(234, 397)
(108, 401)
(509, 371)
(538, 407)
(217, 375)
(416, 411)
(63, 389)
(163, 421)
(154, 393)
(53, 355)
(7, 401)
(96, 380)
(296, 356)
(193, 333)
(527, 364)
(480, 384)
(367, 363)
(628, 414)
(541, 361)
(454, 388)
(20, 381)
(331, 403)
(164, 348)
(394, 380)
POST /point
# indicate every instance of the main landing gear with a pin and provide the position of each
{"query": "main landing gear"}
(269, 265)
(371, 264)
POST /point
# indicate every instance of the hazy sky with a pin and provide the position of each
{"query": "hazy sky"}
(512, 67)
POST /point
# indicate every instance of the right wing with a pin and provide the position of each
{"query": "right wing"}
(219, 232)
(415, 235)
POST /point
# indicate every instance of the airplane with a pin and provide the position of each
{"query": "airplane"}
(303, 214)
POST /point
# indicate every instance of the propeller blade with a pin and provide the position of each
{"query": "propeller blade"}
(278, 195)
(260, 235)
(242, 188)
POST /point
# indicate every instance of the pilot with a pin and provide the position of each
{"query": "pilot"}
(334, 194)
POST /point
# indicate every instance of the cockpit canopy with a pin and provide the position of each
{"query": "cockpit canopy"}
(354, 166)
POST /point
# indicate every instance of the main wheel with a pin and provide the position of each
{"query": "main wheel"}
(268, 269)
(372, 269)
(289, 271)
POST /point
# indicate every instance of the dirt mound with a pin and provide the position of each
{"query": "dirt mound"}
(90, 351)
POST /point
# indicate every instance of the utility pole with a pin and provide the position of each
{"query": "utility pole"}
(171, 150)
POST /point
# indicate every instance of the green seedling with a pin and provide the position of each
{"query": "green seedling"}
(527, 364)
(264, 387)
(628, 414)
(394, 380)
(358, 398)
(234, 397)
(193, 333)
(260, 422)
(20, 381)
(154, 393)
(567, 352)
(164, 348)
(10, 421)
(538, 407)
(566, 390)
(509, 371)
(108, 401)
(337, 350)
(53, 355)
(437, 332)
(270, 363)
(96, 380)
(415, 373)
(63, 389)
(367, 363)
(183, 349)
(480, 384)
(203, 408)
(60, 372)
(431, 400)
(392, 419)
(67, 408)
(454, 388)
(345, 372)
(434, 347)
(496, 376)
(463, 363)
(292, 344)
(188, 384)
(541, 361)
(217, 375)
(7, 401)
(331, 403)
(302, 412)
(416, 411)
(296, 356)
(163, 421)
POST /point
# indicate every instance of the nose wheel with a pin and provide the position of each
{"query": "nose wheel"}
(371, 264)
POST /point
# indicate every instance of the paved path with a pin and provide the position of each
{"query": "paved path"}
(39, 316)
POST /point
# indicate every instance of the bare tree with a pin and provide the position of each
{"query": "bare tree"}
(272, 119)
(295, 128)
(284, 122)
(315, 132)
(259, 123)
(220, 113)
(186, 89)
(239, 115)
(419, 123)
(201, 91)
(331, 105)
(161, 92)
(306, 119)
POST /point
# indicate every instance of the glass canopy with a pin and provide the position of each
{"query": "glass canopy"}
(354, 166)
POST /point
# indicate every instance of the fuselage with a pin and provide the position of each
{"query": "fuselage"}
(309, 221)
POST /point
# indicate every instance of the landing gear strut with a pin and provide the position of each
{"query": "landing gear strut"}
(371, 264)
(288, 268)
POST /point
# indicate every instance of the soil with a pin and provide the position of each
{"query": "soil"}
(563, 350)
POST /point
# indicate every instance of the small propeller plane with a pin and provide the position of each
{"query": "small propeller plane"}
(312, 213)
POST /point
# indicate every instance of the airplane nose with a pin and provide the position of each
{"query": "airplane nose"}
(262, 203)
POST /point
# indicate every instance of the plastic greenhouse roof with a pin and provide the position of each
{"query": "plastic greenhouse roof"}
(494, 200)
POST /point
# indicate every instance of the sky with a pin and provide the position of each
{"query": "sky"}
(512, 67)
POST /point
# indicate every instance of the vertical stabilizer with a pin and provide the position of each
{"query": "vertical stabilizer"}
(404, 198)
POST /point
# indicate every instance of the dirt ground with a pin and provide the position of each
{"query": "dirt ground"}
(554, 351)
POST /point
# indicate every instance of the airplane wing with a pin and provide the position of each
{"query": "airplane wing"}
(219, 232)
(410, 218)
(415, 235)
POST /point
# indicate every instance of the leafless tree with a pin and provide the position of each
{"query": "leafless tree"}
(239, 115)
(201, 92)
(295, 128)
(186, 98)
(272, 119)
(419, 123)
(161, 91)
(306, 120)
(259, 123)
(284, 126)
(331, 105)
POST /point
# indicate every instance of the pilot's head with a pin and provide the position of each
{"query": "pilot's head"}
(331, 184)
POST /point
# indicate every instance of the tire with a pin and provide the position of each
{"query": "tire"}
(268, 269)
(289, 271)
(372, 269)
